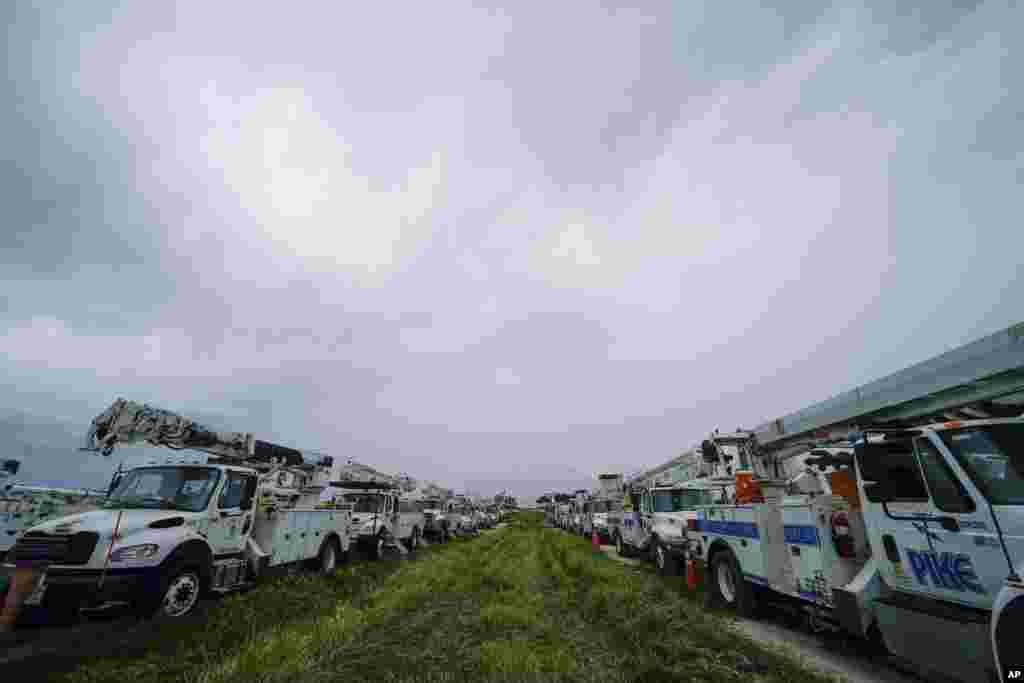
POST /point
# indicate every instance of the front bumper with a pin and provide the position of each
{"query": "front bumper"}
(676, 548)
(118, 585)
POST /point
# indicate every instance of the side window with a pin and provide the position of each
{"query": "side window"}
(948, 493)
(233, 492)
(898, 478)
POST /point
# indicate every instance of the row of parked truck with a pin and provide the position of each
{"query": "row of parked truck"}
(216, 517)
(893, 513)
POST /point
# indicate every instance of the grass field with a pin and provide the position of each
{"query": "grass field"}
(521, 603)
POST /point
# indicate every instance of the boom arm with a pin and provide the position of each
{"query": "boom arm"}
(129, 422)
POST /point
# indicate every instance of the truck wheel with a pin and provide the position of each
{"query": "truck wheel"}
(327, 560)
(621, 547)
(178, 592)
(727, 586)
(377, 549)
(666, 562)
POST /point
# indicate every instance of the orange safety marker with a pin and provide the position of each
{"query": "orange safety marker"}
(17, 592)
(594, 540)
(691, 574)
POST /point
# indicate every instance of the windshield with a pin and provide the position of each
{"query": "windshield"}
(680, 500)
(994, 457)
(166, 488)
(365, 502)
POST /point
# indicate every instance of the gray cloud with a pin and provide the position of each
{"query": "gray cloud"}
(489, 243)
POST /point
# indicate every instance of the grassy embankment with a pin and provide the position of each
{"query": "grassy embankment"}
(522, 603)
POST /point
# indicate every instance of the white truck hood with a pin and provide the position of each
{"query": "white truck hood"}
(103, 521)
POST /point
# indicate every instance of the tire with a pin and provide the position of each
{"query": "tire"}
(665, 562)
(414, 539)
(178, 590)
(621, 547)
(726, 586)
(326, 562)
(377, 549)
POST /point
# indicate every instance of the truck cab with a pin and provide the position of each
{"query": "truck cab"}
(157, 521)
(437, 522)
(944, 511)
(381, 516)
(913, 537)
(661, 525)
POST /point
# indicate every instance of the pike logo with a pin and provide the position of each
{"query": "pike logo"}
(952, 571)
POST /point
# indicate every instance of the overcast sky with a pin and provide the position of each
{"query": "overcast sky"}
(487, 244)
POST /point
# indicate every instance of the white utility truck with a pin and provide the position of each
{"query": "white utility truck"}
(894, 512)
(169, 531)
(23, 507)
(606, 499)
(659, 528)
(438, 525)
(382, 517)
(461, 511)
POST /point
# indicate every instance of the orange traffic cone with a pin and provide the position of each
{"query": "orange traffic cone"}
(692, 579)
(594, 539)
(18, 590)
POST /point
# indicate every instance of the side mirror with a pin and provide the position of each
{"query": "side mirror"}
(708, 451)
(113, 484)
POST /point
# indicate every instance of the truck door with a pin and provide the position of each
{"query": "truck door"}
(922, 523)
(230, 523)
(965, 562)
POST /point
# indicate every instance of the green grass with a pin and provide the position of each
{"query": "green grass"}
(520, 604)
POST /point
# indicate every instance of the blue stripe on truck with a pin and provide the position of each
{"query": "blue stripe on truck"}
(723, 528)
(800, 534)
(795, 534)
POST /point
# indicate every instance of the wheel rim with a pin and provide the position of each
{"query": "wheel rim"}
(181, 594)
(380, 546)
(618, 544)
(726, 584)
(659, 554)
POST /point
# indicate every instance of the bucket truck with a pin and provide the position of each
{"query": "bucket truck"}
(171, 530)
(893, 512)
(384, 514)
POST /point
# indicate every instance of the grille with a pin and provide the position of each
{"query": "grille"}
(36, 546)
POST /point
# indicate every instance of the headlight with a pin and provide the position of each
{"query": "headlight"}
(134, 552)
